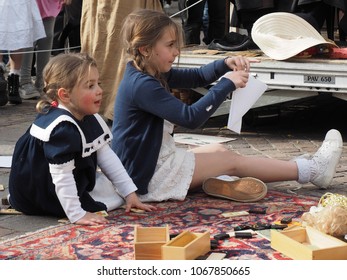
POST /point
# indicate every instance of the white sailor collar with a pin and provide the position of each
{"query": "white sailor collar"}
(42, 130)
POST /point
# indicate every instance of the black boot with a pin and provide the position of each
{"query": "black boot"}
(3, 88)
(13, 89)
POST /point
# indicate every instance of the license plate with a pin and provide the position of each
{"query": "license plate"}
(319, 79)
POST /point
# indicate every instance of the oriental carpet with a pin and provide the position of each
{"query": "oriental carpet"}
(197, 213)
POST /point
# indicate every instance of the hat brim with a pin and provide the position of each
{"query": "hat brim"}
(283, 35)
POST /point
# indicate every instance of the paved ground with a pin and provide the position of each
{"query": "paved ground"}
(296, 129)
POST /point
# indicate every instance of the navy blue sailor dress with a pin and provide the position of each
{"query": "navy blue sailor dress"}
(56, 138)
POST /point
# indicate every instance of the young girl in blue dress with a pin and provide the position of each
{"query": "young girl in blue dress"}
(145, 113)
(54, 168)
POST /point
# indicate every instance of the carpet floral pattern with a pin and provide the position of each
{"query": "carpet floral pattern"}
(198, 213)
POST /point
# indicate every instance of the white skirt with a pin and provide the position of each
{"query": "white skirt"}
(171, 180)
(20, 24)
(173, 173)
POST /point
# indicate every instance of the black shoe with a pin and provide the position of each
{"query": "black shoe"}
(3, 88)
(232, 41)
(13, 89)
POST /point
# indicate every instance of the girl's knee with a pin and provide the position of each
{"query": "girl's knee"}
(210, 148)
(220, 148)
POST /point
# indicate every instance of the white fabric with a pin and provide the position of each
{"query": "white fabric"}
(105, 192)
(66, 190)
(20, 24)
(113, 168)
(173, 173)
(284, 35)
(304, 170)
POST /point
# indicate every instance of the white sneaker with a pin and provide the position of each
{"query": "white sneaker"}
(326, 158)
(28, 91)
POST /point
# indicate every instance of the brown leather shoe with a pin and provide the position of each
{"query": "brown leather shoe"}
(247, 189)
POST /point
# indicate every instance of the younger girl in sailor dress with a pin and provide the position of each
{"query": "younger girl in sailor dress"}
(54, 167)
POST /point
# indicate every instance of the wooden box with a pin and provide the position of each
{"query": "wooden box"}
(148, 242)
(307, 243)
(187, 246)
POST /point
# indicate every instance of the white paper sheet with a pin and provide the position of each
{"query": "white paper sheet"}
(199, 139)
(242, 100)
(5, 161)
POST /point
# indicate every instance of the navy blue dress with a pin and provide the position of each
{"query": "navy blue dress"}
(56, 138)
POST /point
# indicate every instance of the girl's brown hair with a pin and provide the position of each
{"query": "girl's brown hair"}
(63, 71)
(143, 28)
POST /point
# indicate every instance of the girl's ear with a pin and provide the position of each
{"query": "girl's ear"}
(144, 51)
(63, 95)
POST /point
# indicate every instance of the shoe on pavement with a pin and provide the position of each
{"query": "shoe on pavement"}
(29, 91)
(326, 158)
(247, 189)
(13, 89)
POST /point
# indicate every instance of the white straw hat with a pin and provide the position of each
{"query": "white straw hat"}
(283, 35)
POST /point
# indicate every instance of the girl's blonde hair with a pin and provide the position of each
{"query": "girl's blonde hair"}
(143, 28)
(63, 71)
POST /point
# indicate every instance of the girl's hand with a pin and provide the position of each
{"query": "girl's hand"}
(132, 201)
(237, 63)
(91, 219)
(239, 78)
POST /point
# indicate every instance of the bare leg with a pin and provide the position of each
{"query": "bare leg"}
(215, 160)
(15, 61)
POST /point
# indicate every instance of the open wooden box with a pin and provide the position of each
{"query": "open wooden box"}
(148, 242)
(307, 243)
(186, 246)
